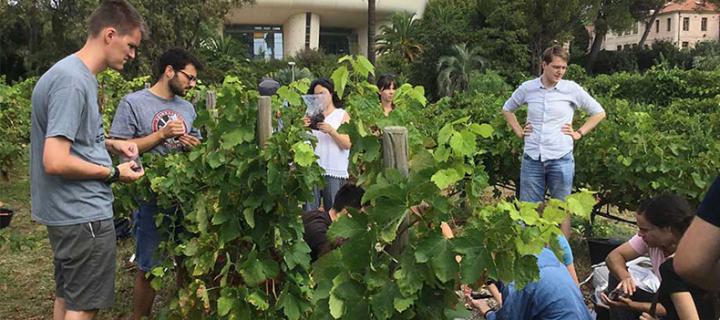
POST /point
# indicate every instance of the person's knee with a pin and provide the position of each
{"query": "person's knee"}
(80, 315)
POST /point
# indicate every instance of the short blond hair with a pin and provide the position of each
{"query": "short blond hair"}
(555, 51)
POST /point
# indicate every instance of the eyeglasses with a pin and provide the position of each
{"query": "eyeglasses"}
(191, 78)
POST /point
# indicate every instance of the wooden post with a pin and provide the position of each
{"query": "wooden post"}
(395, 155)
(210, 102)
(264, 120)
(395, 149)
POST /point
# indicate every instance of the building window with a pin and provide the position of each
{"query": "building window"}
(625, 47)
(685, 44)
(703, 24)
(338, 40)
(686, 24)
(619, 48)
(669, 24)
(261, 41)
(657, 26)
(308, 24)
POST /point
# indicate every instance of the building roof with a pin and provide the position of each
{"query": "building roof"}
(689, 5)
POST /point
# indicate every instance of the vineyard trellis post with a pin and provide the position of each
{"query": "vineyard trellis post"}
(264, 120)
(395, 156)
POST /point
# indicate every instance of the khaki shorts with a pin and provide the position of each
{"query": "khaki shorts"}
(84, 259)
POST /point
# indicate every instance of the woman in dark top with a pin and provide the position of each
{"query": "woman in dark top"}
(387, 85)
(681, 300)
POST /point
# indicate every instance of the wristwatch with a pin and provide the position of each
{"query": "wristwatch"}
(113, 176)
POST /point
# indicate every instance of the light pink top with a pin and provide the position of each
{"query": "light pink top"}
(657, 256)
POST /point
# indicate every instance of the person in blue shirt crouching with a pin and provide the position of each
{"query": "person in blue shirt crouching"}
(555, 296)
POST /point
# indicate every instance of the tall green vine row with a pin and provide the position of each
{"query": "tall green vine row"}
(239, 208)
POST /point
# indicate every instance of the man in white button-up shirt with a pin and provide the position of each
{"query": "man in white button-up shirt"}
(548, 133)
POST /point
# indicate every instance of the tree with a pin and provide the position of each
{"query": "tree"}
(607, 15)
(34, 34)
(180, 23)
(454, 71)
(400, 37)
(647, 11)
(444, 23)
(548, 22)
(371, 31)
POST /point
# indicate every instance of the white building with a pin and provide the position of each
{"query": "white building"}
(684, 24)
(280, 28)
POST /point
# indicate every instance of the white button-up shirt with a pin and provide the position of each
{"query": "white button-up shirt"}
(548, 111)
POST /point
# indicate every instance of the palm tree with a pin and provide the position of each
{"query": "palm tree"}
(400, 37)
(454, 70)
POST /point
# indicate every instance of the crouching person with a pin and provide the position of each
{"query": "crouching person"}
(554, 296)
(318, 222)
(661, 223)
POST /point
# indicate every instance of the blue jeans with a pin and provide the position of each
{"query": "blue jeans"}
(556, 176)
(327, 194)
(147, 235)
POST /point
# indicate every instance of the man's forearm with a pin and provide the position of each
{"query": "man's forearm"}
(147, 142)
(74, 168)
(591, 123)
(58, 161)
(513, 122)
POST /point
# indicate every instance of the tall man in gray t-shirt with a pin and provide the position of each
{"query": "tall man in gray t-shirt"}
(71, 169)
(159, 121)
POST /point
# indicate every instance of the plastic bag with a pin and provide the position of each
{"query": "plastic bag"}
(640, 269)
(315, 108)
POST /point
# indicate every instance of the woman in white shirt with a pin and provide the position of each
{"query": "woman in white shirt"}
(333, 148)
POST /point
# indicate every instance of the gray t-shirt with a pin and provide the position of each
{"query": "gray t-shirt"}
(141, 113)
(65, 104)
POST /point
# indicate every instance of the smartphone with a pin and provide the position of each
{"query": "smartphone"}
(479, 295)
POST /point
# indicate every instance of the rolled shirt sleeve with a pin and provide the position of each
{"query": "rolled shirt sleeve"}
(586, 102)
(516, 100)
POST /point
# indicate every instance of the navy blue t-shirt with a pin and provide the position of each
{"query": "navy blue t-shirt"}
(709, 209)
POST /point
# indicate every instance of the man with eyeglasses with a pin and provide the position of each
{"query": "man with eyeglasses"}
(158, 120)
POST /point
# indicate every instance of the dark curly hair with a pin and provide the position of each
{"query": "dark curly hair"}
(176, 58)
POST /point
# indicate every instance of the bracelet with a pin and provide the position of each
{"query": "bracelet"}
(113, 176)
